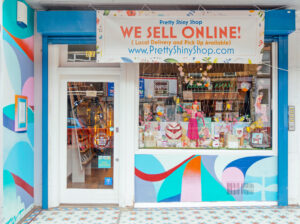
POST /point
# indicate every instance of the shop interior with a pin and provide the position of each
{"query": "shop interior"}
(90, 135)
(206, 105)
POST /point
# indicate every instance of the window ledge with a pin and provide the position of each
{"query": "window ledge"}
(231, 152)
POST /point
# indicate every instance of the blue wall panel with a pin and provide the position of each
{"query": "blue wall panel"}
(83, 23)
(67, 23)
(279, 22)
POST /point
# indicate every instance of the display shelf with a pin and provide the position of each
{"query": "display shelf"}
(203, 148)
(218, 96)
(227, 111)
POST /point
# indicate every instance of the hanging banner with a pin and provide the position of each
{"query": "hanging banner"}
(180, 36)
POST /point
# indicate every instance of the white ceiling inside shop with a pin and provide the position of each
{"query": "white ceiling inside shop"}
(164, 4)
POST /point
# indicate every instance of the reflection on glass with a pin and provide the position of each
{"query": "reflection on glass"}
(90, 135)
(206, 105)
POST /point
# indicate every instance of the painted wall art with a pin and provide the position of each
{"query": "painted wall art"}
(18, 140)
(21, 113)
(209, 178)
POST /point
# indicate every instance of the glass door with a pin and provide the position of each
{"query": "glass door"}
(91, 156)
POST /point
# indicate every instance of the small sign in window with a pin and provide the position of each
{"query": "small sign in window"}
(108, 181)
(104, 162)
(161, 88)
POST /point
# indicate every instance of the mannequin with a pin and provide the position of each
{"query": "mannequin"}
(193, 124)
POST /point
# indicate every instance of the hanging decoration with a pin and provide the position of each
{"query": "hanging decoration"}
(204, 81)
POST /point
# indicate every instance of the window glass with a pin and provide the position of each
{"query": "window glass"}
(82, 53)
(90, 135)
(206, 105)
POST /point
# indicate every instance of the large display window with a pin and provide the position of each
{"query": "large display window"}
(206, 105)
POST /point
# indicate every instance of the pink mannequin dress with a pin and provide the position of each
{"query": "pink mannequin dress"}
(193, 124)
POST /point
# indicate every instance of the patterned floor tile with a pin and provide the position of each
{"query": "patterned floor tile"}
(240, 215)
(213, 215)
(78, 216)
(32, 216)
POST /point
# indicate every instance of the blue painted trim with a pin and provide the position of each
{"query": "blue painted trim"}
(83, 23)
(45, 123)
(283, 121)
(270, 39)
(51, 40)
(67, 23)
(280, 22)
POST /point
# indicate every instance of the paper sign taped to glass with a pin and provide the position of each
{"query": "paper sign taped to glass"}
(108, 181)
(104, 162)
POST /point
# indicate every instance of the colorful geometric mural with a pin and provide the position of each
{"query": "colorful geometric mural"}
(196, 178)
(18, 78)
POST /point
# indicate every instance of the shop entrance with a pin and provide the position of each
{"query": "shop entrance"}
(89, 139)
(85, 163)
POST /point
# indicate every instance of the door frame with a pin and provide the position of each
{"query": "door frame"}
(56, 74)
(86, 196)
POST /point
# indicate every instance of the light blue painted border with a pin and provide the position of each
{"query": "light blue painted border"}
(79, 27)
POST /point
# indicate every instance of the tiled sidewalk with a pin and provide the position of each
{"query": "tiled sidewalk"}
(214, 215)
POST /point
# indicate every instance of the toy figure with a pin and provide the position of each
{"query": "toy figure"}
(204, 135)
(254, 125)
(258, 102)
(185, 142)
(160, 111)
(261, 108)
(193, 124)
